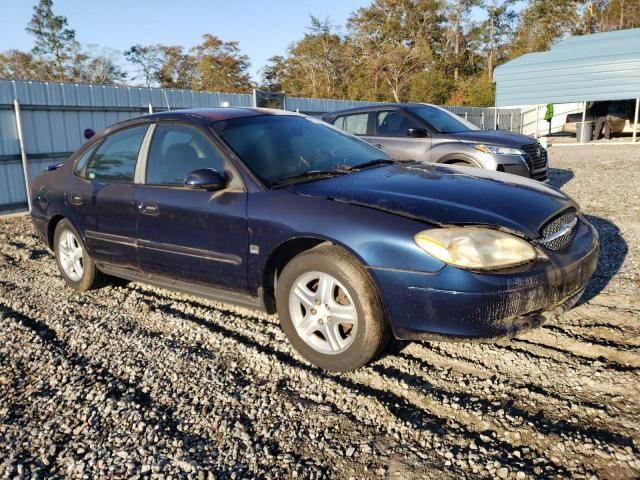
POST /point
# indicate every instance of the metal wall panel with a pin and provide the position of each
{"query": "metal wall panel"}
(322, 105)
(602, 66)
(8, 134)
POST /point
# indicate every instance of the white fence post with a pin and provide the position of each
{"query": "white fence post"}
(23, 153)
(482, 120)
(150, 108)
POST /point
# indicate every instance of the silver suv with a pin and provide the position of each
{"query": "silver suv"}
(432, 134)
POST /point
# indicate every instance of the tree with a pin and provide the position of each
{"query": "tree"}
(147, 59)
(177, 69)
(477, 91)
(394, 39)
(315, 66)
(53, 40)
(431, 86)
(543, 22)
(272, 74)
(458, 13)
(497, 29)
(220, 66)
(98, 66)
(18, 65)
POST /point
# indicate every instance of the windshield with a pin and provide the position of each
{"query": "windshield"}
(279, 147)
(443, 120)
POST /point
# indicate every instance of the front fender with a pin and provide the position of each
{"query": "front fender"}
(376, 238)
(449, 152)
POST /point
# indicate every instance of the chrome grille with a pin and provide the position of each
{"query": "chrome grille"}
(568, 217)
(537, 160)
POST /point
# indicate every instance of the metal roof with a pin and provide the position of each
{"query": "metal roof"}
(602, 66)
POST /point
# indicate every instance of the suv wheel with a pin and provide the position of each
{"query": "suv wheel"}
(330, 309)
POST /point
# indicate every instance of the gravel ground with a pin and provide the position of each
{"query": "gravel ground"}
(131, 381)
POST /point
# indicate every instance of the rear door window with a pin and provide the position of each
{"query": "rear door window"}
(115, 160)
(355, 124)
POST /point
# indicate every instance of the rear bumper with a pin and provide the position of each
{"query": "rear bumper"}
(423, 306)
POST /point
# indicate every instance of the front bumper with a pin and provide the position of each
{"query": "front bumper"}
(520, 166)
(454, 303)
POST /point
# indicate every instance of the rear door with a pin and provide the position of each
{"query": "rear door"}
(194, 236)
(110, 172)
(390, 134)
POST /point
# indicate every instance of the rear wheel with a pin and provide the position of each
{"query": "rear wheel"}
(330, 309)
(77, 268)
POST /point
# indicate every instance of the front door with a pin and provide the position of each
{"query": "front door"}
(195, 236)
(390, 134)
(110, 173)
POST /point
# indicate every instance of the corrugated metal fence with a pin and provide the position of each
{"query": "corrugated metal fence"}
(54, 115)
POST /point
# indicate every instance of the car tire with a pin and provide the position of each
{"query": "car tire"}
(76, 266)
(342, 339)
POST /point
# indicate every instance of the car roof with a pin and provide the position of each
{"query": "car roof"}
(221, 113)
(198, 115)
(377, 106)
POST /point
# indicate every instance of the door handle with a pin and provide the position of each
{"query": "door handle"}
(75, 198)
(148, 208)
(378, 145)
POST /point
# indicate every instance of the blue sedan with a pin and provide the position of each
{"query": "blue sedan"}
(281, 212)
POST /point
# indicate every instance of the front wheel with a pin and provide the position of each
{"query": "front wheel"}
(330, 309)
(77, 268)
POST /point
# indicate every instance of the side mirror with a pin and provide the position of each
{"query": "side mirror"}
(417, 133)
(206, 179)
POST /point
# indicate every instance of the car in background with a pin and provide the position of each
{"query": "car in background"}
(428, 133)
(620, 115)
(281, 212)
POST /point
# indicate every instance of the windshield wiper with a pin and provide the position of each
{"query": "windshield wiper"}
(369, 164)
(307, 176)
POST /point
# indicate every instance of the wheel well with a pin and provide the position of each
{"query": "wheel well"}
(51, 229)
(276, 262)
(458, 160)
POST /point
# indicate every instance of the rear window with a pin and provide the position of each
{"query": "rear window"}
(115, 160)
(81, 163)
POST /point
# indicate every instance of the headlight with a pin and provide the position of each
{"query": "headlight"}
(498, 150)
(475, 247)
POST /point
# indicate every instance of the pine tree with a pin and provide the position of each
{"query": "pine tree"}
(54, 41)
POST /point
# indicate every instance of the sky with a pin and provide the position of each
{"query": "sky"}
(262, 28)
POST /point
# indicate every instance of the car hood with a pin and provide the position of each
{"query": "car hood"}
(495, 137)
(446, 195)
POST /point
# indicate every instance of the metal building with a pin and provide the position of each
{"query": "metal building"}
(598, 67)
